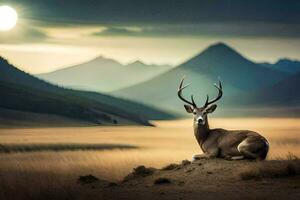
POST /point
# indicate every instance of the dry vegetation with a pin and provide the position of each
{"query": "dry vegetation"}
(45, 173)
(273, 169)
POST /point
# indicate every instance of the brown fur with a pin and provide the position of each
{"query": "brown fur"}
(240, 144)
(224, 143)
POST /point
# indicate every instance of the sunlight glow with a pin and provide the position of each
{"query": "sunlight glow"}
(8, 18)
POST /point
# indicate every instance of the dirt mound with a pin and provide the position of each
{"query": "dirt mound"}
(212, 179)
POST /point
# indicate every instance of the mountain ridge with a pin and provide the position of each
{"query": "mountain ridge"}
(238, 74)
(139, 63)
(103, 74)
(285, 65)
(22, 91)
(222, 60)
(284, 92)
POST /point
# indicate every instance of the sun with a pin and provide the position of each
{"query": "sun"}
(8, 18)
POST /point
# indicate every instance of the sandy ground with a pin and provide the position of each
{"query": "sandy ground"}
(204, 179)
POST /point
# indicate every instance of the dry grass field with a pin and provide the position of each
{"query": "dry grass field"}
(48, 161)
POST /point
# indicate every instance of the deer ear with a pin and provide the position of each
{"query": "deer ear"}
(188, 108)
(211, 108)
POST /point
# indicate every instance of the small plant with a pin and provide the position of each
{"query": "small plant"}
(292, 156)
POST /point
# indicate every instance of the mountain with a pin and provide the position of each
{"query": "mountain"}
(23, 92)
(221, 60)
(139, 65)
(104, 75)
(238, 74)
(285, 65)
(279, 100)
(284, 93)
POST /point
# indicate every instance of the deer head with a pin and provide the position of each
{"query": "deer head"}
(200, 113)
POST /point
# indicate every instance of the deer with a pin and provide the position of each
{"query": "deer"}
(221, 143)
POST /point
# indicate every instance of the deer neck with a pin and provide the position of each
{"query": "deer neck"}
(201, 131)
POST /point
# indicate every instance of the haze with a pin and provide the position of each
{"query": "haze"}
(158, 32)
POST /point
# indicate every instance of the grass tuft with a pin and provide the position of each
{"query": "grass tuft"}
(292, 156)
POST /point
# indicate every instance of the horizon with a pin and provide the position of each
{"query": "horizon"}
(56, 68)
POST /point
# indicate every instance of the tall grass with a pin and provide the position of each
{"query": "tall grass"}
(42, 174)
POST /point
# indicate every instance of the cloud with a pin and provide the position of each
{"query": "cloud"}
(120, 31)
(157, 11)
(156, 18)
(23, 35)
(205, 30)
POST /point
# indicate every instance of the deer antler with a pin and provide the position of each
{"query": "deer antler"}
(219, 87)
(179, 93)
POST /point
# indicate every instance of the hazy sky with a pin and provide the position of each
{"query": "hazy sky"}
(51, 34)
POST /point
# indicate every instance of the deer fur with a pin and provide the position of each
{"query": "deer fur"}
(221, 143)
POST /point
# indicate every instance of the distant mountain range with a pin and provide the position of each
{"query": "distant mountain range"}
(239, 75)
(103, 74)
(21, 92)
(285, 65)
(279, 100)
(284, 93)
(252, 89)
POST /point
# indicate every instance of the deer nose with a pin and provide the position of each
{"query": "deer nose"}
(200, 120)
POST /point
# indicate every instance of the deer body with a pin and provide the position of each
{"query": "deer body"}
(228, 144)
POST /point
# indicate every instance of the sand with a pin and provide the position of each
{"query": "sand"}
(207, 179)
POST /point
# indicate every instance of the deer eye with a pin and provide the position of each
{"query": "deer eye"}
(194, 112)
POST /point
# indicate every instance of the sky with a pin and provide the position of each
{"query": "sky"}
(52, 34)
